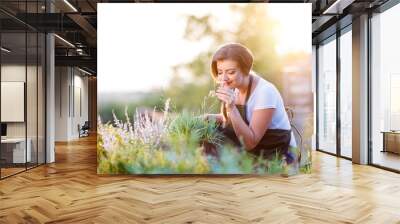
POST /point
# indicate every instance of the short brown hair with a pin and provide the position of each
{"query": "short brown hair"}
(236, 52)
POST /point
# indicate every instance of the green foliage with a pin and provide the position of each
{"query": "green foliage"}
(194, 129)
(124, 148)
(306, 169)
(275, 166)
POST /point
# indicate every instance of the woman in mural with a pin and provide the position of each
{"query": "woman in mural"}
(253, 113)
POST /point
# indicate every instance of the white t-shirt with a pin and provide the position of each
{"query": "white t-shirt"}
(264, 96)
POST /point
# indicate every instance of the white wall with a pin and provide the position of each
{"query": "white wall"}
(62, 81)
(81, 100)
(12, 73)
(71, 87)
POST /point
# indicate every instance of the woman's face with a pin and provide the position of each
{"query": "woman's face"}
(229, 72)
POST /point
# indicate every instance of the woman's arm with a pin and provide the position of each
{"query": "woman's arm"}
(251, 134)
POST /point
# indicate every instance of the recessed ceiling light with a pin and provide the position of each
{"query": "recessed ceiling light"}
(84, 71)
(338, 6)
(64, 40)
(5, 50)
(70, 5)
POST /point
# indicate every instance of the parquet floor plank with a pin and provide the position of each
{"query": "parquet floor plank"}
(70, 191)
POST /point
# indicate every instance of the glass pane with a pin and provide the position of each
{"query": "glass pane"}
(13, 86)
(327, 96)
(31, 85)
(31, 100)
(386, 89)
(41, 99)
(346, 94)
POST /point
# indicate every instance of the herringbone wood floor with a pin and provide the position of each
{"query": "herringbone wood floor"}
(70, 191)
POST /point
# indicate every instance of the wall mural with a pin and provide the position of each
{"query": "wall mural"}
(217, 88)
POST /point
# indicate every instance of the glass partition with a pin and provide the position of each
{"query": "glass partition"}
(32, 96)
(327, 96)
(385, 88)
(41, 109)
(14, 153)
(22, 77)
(346, 94)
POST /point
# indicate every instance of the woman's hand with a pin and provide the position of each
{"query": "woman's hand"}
(227, 96)
(217, 117)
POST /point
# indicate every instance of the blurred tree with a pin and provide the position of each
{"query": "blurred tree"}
(154, 100)
(257, 31)
(254, 29)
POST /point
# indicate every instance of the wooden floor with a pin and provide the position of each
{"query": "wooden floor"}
(387, 159)
(10, 171)
(5, 172)
(70, 191)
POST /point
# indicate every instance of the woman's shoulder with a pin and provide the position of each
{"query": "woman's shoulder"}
(265, 95)
(264, 86)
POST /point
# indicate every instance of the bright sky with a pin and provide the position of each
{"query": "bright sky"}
(294, 30)
(139, 43)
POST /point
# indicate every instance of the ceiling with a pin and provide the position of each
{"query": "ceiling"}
(76, 22)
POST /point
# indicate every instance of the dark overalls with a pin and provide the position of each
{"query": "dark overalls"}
(273, 141)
